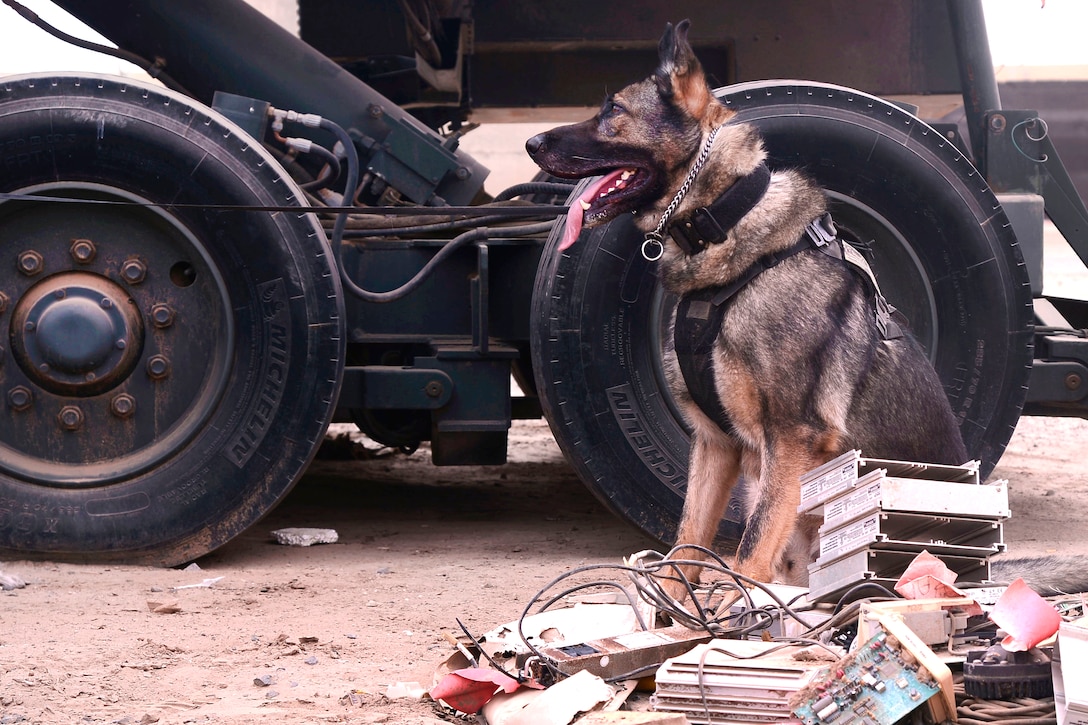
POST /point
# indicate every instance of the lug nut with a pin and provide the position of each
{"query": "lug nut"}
(158, 367)
(123, 405)
(70, 418)
(433, 389)
(30, 263)
(133, 271)
(162, 315)
(1072, 381)
(82, 250)
(20, 397)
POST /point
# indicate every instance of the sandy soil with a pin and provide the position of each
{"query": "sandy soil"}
(419, 548)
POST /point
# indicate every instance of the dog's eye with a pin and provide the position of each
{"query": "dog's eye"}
(611, 108)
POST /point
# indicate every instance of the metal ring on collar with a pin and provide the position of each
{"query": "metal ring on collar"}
(652, 248)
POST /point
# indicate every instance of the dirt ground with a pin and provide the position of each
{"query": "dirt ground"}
(419, 547)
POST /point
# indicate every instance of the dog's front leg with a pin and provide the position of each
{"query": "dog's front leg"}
(713, 468)
(772, 517)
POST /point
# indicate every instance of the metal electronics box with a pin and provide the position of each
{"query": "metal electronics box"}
(879, 514)
(884, 567)
(733, 681)
(843, 473)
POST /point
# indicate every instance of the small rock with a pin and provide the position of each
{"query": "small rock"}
(271, 694)
(305, 537)
(192, 567)
(311, 660)
(263, 680)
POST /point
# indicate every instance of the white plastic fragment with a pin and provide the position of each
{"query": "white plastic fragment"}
(11, 581)
(305, 537)
(206, 584)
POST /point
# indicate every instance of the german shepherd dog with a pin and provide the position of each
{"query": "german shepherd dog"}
(797, 362)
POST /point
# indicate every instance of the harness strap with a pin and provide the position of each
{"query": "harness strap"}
(699, 313)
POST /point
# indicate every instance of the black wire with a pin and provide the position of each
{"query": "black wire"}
(650, 590)
(862, 587)
(476, 644)
(448, 249)
(599, 583)
(505, 212)
(152, 69)
(422, 228)
(461, 240)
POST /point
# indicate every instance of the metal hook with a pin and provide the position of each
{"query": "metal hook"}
(1027, 133)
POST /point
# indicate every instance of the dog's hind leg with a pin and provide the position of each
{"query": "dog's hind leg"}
(713, 469)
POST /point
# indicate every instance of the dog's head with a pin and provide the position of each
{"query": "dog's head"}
(641, 141)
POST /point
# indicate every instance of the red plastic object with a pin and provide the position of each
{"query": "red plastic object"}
(469, 689)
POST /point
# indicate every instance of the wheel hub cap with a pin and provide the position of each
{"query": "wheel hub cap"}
(77, 334)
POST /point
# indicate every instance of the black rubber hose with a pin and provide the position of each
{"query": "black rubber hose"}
(535, 187)
(459, 241)
(331, 174)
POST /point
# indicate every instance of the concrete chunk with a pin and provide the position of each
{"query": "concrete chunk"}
(304, 537)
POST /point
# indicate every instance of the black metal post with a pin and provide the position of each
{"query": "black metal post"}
(976, 66)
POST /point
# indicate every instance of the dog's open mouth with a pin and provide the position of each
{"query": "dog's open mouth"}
(615, 192)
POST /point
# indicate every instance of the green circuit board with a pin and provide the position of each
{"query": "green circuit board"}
(878, 684)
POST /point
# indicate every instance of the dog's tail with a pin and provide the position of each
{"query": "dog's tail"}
(1049, 575)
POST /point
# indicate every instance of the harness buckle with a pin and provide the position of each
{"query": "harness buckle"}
(822, 230)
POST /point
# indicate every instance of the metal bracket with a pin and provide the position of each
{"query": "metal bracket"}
(389, 387)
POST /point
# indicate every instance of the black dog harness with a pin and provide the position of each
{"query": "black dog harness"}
(699, 314)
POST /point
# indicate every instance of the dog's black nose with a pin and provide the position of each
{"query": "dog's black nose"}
(535, 144)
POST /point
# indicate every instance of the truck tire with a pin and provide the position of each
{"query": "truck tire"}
(944, 253)
(172, 366)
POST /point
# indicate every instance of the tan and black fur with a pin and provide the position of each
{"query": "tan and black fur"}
(799, 365)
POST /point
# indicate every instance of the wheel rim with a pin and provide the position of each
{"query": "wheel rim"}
(102, 381)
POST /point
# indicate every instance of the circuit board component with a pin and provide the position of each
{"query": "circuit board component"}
(877, 684)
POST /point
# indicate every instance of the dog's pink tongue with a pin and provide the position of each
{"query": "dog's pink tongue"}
(576, 213)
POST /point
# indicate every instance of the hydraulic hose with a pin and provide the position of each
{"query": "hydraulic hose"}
(350, 183)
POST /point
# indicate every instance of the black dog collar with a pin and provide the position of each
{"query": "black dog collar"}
(710, 224)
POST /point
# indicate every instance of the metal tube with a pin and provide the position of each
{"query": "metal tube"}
(227, 45)
(977, 80)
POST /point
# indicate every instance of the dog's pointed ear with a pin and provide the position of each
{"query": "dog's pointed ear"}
(666, 54)
(679, 75)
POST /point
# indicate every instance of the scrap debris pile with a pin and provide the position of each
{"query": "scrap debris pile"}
(902, 624)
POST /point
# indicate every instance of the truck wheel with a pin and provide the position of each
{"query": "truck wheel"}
(171, 366)
(943, 251)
